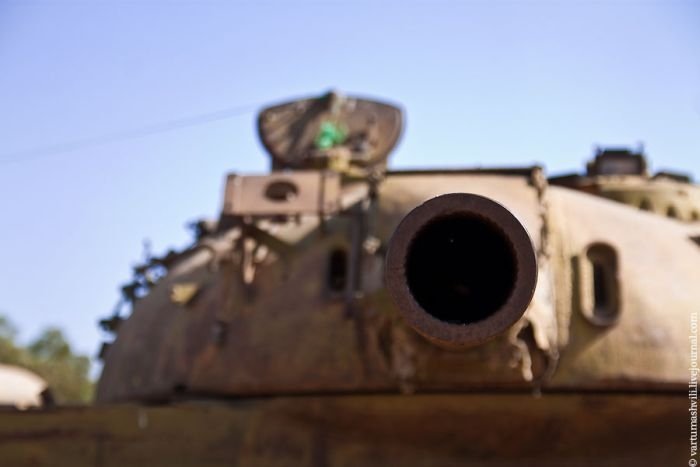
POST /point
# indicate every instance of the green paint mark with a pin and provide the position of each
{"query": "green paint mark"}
(329, 135)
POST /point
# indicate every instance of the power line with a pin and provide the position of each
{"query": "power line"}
(134, 133)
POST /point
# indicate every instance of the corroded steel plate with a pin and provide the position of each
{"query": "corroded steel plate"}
(288, 131)
(372, 430)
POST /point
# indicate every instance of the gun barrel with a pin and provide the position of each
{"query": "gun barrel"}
(461, 269)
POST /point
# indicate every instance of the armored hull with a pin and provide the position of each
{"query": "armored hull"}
(339, 313)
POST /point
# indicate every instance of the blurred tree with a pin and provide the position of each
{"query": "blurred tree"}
(8, 351)
(51, 357)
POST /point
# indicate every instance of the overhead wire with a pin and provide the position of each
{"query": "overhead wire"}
(129, 134)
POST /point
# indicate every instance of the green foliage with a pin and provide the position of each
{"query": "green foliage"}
(51, 357)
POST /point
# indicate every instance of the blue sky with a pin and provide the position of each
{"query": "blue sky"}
(482, 83)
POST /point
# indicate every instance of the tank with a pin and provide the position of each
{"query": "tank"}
(340, 313)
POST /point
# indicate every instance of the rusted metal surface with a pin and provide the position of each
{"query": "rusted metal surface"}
(288, 332)
(562, 430)
(647, 344)
(622, 175)
(304, 192)
(289, 131)
(461, 269)
(283, 307)
(289, 310)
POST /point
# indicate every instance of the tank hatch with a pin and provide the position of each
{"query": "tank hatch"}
(618, 161)
(622, 174)
(345, 134)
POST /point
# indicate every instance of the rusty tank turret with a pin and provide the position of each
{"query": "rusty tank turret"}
(339, 312)
(622, 175)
